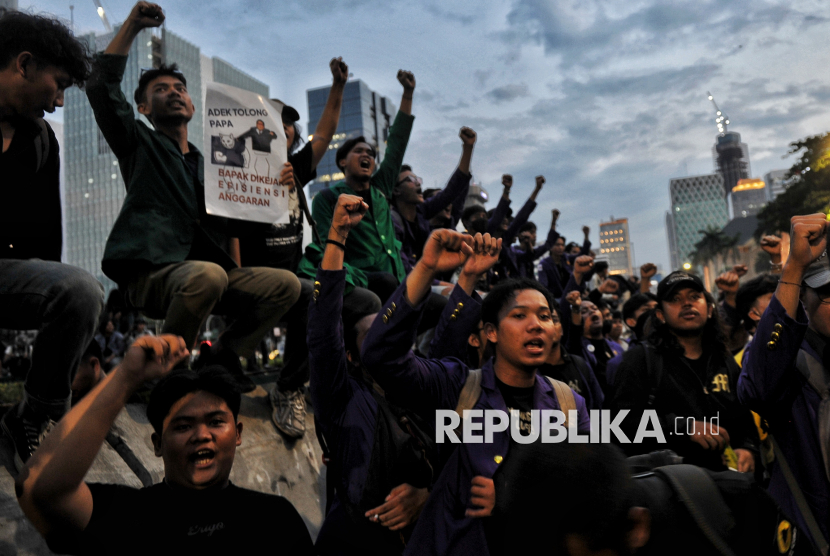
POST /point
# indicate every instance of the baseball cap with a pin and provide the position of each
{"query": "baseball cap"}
(818, 273)
(289, 113)
(676, 280)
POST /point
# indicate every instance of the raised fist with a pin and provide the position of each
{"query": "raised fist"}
(339, 70)
(146, 14)
(446, 250)
(507, 181)
(152, 357)
(468, 136)
(555, 214)
(583, 264)
(574, 298)
(485, 254)
(540, 181)
(740, 269)
(348, 212)
(609, 286)
(808, 240)
(647, 271)
(407, 79)
(728, 282)
(586, 230)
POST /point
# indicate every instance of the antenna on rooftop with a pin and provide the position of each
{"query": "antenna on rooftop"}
(103, 15)
(721, 119)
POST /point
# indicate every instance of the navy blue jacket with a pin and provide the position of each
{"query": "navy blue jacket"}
(430, 384)
(347, 413)
(771, 385)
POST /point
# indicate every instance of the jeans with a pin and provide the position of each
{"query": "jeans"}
(186, 293)
(64, 303)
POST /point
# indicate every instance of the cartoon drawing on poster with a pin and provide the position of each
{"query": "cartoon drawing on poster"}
(247, 149)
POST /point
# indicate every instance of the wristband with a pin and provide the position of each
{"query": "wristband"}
(776, 267)
(336, 243)
(790, 283)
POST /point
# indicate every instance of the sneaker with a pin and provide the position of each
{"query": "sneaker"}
(289, 412)
(228, 359)
(26, 431)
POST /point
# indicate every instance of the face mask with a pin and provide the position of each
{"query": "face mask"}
(479, 226)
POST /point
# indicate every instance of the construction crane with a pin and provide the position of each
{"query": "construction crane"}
(722, 120)
(103, 15)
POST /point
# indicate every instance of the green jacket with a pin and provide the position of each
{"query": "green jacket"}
(372, 246)
(161, 221)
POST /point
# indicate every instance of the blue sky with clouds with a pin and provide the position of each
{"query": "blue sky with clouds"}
(606, 99)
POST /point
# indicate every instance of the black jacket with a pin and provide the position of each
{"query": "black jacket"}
(681, 395)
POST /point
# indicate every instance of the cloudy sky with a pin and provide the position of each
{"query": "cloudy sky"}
(606, 99)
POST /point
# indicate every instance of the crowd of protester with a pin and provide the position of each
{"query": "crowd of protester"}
(404, 303)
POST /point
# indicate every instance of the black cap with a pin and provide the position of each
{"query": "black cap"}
(676, 280)
(289, 113)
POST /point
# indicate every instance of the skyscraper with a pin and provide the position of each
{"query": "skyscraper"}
(615, 245)
(697, 202)
(749, 196)
(364, 112)
(94, 188)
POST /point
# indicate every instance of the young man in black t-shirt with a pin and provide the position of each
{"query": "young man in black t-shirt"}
(196, 510)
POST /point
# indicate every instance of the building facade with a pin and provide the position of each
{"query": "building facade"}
(731, 159)
(697, 202)
(615, 246)
(364, 113)
(94, 188)
(748, 197)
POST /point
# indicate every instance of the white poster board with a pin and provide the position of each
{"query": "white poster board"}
(244, 149)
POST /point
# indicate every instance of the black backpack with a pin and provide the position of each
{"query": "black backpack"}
(698, 511)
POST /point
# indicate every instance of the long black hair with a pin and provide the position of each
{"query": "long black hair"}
(664, 340)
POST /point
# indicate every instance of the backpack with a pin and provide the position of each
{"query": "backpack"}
(471, 392)
(728, 513)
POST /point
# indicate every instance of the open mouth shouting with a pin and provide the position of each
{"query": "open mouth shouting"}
(202, 458)
(366, 163)
(535, 346)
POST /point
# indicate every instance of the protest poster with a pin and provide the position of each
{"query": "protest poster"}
(245, 149)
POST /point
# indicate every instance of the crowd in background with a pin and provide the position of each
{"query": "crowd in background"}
(405, 302)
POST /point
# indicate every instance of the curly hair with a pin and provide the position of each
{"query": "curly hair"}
(50, 42)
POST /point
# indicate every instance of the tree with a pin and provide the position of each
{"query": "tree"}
(810, 192)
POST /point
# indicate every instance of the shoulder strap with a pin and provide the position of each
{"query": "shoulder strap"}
(396, 218)
(803, 507)
(41, 145)
(564, 395)
(813, 371)
(654, 371)
(700, 496)
(470, 393)
(816, 376)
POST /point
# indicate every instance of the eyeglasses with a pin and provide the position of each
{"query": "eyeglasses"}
(413, 178)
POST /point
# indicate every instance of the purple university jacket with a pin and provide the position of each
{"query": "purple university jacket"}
(771, 385)
(430, 384)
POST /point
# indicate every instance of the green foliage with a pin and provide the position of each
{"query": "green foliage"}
(811, 191)
(713, 243)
